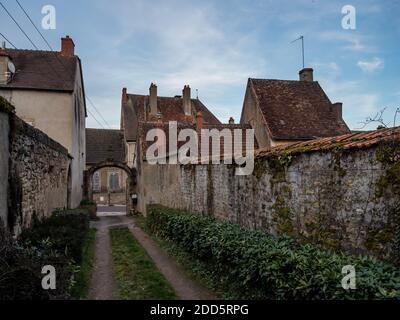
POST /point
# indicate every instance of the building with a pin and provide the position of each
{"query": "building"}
(108, 183)
(284, 111)
(48, 92)
(137, 110)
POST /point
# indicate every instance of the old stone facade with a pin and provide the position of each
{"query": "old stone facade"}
(340, 194)
(36, 176)
(48, 92)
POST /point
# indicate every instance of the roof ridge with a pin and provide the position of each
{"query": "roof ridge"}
(41, 51)
(282, 80)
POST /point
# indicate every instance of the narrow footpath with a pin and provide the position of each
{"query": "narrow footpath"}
(103, 287)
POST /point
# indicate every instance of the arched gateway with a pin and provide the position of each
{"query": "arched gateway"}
(106, 149)
(131, 183)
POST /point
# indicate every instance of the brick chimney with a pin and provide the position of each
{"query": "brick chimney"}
(307, 74)
(153, 99)
(231, 121)
(199, 122)
(124, 96)
(337, 109)
(67, 47)
(187, 101)
(4, 60)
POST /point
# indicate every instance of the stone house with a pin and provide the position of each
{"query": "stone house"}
(102, 146)
(47, 90)
(137, 110)
(284, 111)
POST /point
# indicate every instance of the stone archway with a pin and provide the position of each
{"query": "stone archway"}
(131, 184)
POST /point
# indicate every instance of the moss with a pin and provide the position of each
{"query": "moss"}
(278, 169)
(389, 155)
(259, 168)
(5, 106)
(337, 158)
(283, 218)
(320, 232)
(210, 191)
(377, 237)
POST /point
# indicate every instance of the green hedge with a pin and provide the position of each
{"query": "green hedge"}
(56, 241)
(267, 267)
(65, 230)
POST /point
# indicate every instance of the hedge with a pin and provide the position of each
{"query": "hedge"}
(267, 267)
(56, 241)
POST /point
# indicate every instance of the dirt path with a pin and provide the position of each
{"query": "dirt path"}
(185, 288)
(103, 284)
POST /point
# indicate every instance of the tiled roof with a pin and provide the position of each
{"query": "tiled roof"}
(103, 145)
(296, 110)
(170, 108)
(359, 140)
(145, 127)
(42, 70)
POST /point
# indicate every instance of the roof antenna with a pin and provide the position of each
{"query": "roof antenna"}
(302, 46)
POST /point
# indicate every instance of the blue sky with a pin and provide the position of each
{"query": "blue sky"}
(215, 46)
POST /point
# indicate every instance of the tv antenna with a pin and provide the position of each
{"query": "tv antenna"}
(302, 46)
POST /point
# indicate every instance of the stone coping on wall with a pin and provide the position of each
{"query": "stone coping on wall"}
(6, 107)
(21, 127)
(361, 140)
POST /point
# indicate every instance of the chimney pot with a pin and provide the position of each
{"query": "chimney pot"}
(307, 74)
(231, 121)
(67, 47)
(187, 100)
(199, 122)
(337, 109)
(124, 96)
(153, 99)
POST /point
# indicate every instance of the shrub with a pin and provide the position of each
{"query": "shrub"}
(266, 267)
(66, 231)
(56, 241)
(86, 202)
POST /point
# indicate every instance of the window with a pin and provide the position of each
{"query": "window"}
(96, 181)
(113, 181)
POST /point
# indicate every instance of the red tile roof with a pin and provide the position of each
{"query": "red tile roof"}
(42, 70)
(296, 110)
(145, 127)
(359, 140)
(170, 109)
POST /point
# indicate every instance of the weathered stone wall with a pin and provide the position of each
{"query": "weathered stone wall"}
(37, 173)
(4, 161)
(340, 199)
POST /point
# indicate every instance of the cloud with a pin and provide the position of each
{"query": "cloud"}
(353, 42)
(371, 66)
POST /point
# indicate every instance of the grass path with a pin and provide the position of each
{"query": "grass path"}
(130, 265)
(137, 277)
(80, 289)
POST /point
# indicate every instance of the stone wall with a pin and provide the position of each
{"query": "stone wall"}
(38, 167)
(342, 200)
(4, 160)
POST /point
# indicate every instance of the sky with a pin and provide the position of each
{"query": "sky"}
(215, 46)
